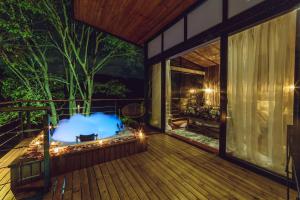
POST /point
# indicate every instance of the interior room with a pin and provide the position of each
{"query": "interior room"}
(193, 95)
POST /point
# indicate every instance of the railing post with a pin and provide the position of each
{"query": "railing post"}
(47, 154)
(22, 124)
(28, 123)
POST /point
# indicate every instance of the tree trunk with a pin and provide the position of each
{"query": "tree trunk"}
(89, 92)
(54, 117)
(72, 96)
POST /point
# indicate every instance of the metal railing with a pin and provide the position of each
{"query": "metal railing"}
(15, 130)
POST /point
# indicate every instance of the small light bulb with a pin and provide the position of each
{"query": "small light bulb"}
(56, 150)
(100, 142)
(37, 143)
(141, 135)
(50, 127)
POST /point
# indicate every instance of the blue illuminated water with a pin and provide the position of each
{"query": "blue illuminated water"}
(99, 123)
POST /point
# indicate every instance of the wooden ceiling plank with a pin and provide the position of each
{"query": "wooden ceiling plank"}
(134, 20)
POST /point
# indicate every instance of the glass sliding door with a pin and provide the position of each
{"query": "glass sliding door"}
(261, 64)
(155, 95)
(192, 95)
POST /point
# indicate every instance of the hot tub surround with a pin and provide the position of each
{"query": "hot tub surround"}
(65, 158)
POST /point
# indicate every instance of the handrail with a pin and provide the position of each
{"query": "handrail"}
(67, 100)
(23, 108)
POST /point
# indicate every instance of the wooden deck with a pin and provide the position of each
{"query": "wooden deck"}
(5, 161)
(170, 169)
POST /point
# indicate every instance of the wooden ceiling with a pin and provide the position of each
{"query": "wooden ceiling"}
(205, 56)
(132, 20)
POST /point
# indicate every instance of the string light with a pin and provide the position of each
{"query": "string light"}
(141, 134)
(101, 142)
(56, 150)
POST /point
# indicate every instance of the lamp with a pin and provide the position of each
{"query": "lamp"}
(208, 90)
(192, 91)
(141, 134)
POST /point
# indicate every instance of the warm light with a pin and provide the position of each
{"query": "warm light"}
(50, 127)
(192, 91)
(53, 143)
(37, 143)
(141, 134)
(292, 87)
(208, 90)
(56, 150)
(101, 142)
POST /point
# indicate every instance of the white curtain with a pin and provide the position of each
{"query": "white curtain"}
(260, 93)
(155, 117)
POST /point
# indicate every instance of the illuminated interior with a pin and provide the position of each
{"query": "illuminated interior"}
(193, 94)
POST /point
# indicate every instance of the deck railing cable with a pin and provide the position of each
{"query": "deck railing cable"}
(10, 131)
(9, 122)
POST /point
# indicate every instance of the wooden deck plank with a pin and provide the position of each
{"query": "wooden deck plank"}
(130, 191)
(115, 178)
(140, 180)
(211, 188)
(101, 183)
(113, 193)
(170, 169)
(84, 184)
(244, 185)
(137, 187)
(192, 185)
(93, 184)
(154, 186)
(171, 183)
(76, 186)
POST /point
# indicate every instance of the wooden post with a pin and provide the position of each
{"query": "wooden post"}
(22, 124)
(47, 131)
(28, 123)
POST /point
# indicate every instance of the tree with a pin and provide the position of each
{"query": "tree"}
(24, 48)
(33, 31)
(85, 49)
